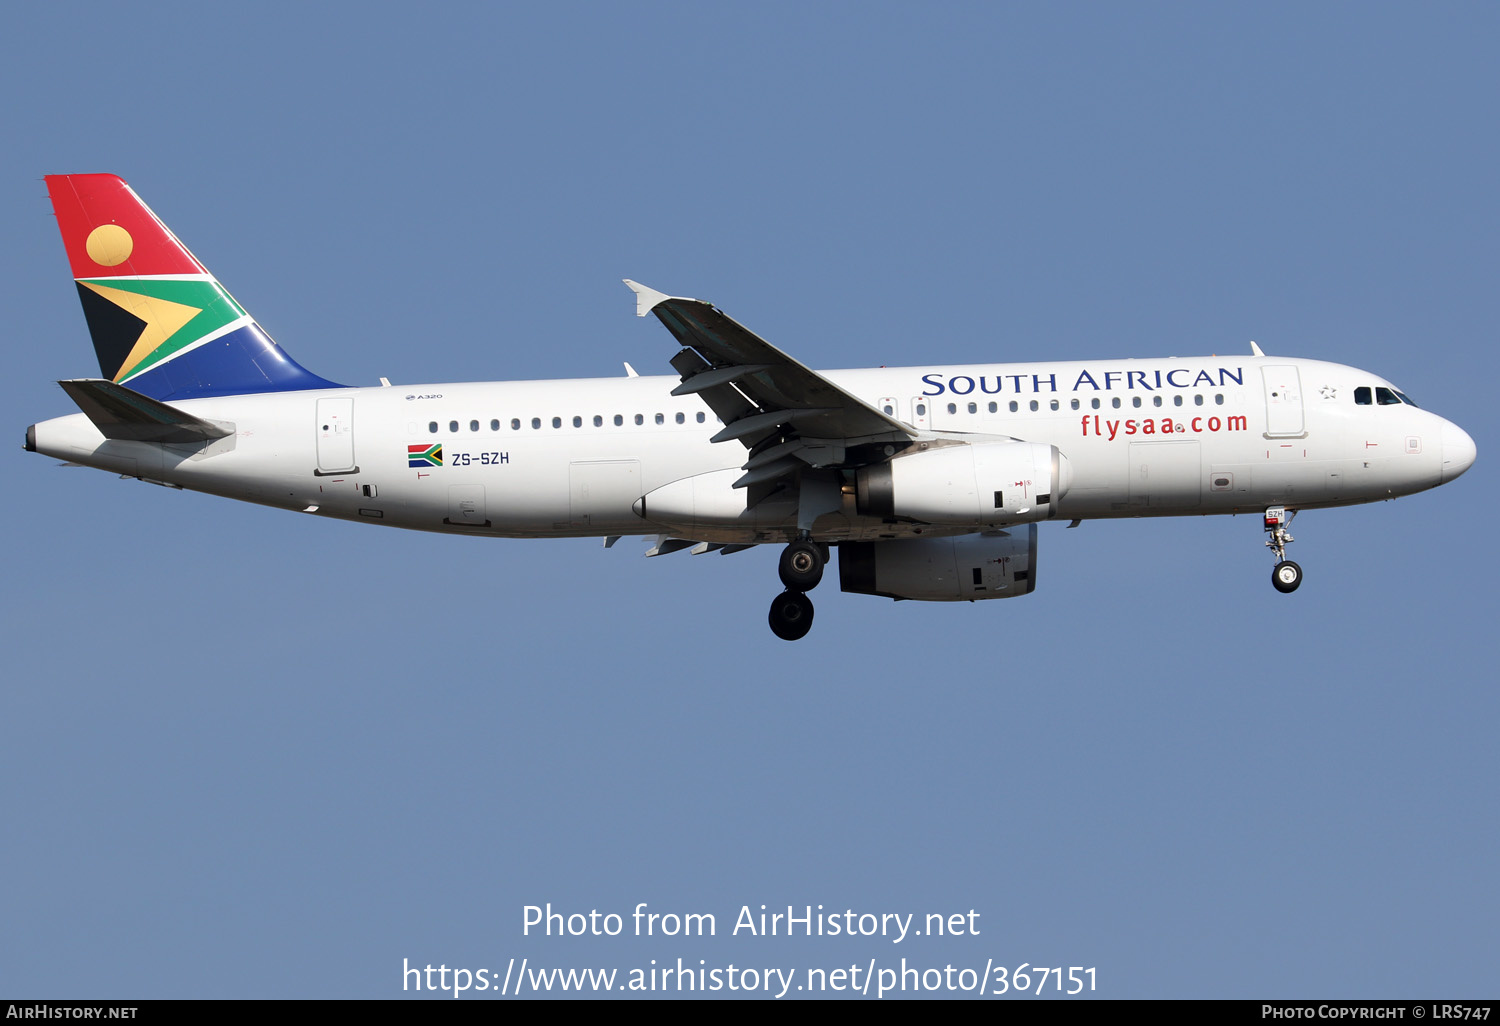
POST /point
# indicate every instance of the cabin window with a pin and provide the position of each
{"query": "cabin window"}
(1386, 397)
(973, 407)
(994, 407)
(1219, 399)
(453, 426)
(1135, 401)
(1075, 404)
(660, 419)
(578, 422)
(888, 409)
(619, 420)
(1014, 406)
(515, 423)
(700, 417)
(473, 425)
(1035, 405)
(640, 419)
(1156, 400)
(1362, 396)
(682, 418)
(921, 409)
(1115, 402)
(433, 426)
(1177, 400)
(1197, 400)
(536, 423)
(953, 407)
(1054, 404)
(556, 422)
(598, 420)
(1094, 403)
(495, 425)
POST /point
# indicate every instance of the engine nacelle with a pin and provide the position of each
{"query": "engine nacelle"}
(963, 568)
(981, 484)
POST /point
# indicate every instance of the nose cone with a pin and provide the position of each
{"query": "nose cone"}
(1458, 451)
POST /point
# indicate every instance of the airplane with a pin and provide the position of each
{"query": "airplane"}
(930, 481)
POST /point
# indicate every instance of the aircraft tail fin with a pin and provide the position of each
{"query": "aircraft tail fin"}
(160, 322)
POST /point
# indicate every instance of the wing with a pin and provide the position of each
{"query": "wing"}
(787, 415)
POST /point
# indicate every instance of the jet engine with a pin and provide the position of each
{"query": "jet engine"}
(999, 564)
(983, 484)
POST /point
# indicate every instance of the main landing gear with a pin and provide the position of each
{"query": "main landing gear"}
(1286, 575)
(801, 569)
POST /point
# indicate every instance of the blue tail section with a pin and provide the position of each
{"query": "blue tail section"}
(245, 360)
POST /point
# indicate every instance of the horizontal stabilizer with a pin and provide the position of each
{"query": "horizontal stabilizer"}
(126, 415)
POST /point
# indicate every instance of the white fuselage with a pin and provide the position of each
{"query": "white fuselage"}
(571, 457)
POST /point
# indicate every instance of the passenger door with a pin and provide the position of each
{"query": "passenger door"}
(1283, 402)
(336, 436)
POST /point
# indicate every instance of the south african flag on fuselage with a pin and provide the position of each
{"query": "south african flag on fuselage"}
(424, 455)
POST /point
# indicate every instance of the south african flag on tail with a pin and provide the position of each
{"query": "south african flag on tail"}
(162, 325)
(424, 455)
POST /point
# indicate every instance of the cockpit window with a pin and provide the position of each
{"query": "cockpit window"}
(1362, 396)
(1406, 399)
(1386, 396)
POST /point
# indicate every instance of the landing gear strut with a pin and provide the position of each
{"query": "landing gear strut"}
(801, 569)
(1286, 575)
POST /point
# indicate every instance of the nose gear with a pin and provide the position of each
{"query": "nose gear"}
(1286, 576)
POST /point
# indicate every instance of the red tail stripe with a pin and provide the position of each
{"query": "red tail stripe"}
(85, 202)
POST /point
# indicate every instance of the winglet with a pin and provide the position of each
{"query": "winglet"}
(1256, 349)
(645, 299)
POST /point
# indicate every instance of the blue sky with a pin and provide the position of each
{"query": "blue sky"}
(252, 754)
